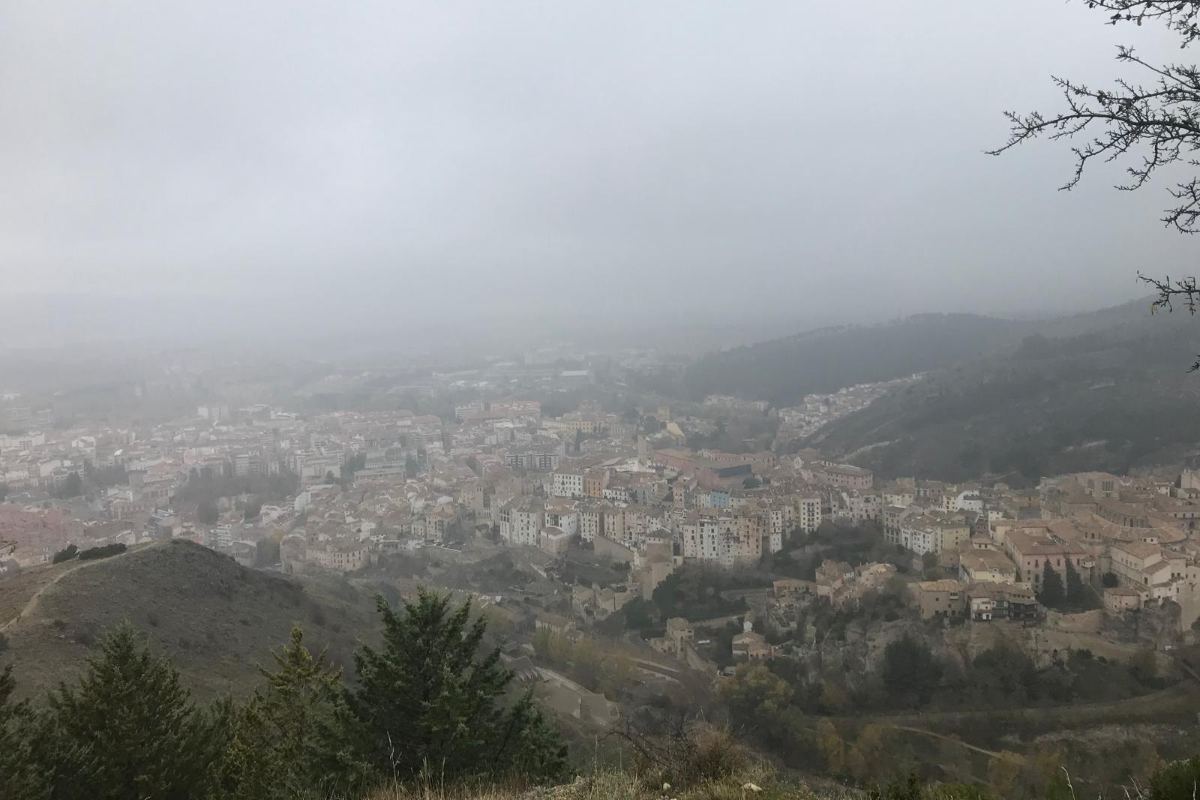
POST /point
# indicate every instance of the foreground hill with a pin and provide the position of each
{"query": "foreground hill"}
(1105, 391)
(215, 619)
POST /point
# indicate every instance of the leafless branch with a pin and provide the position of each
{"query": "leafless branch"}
(1146, 126)
(1179, 15)
(1168, 292)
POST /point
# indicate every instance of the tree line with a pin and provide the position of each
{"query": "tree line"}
(428, 706)
(71, 552)
(1069, 595)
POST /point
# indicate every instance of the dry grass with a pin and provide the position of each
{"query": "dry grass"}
(758, 783)
(213, 618)
(15, 590)
(691, 754)
(615, 785)
(690, 761)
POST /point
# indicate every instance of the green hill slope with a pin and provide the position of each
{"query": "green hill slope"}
(215, 619)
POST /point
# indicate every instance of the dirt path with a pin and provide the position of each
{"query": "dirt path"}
(1013, 757)
(32, 604)
(1179, 695)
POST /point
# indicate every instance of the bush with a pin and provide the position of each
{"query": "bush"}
(66, 554)
(912, 788)
(713, 754)
(689, 754)
(104, 551)
(1176, 781)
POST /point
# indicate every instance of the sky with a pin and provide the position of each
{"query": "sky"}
(304, 169)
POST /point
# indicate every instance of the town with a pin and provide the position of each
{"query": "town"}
(569, 401)
(606, 504)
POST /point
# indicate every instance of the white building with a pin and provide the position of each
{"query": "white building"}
(521, 521)
(566, 484)
(591, 523)
(722, 540)
(808, 513)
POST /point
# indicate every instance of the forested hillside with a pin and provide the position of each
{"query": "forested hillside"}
(827, 359)
(1116, 397)
(784, 370)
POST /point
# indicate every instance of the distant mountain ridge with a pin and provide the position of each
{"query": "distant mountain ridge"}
(827, 359)
(1108, 390)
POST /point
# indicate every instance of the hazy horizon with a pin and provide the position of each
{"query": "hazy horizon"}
(140, 327)
(298, 173)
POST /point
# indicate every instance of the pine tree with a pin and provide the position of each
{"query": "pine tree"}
(1052, 594)
(1075, 589)
(910, 671)
(428, 703)
(71, 487)
(129, 730)
(277, 746)
(20, 779)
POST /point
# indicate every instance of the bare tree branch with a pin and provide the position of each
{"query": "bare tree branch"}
(1168, 292)
(1148, 126)
(1179, 16)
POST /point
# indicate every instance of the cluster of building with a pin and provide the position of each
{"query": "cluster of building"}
(815, 411)
(1129, 539)
(335, 491)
